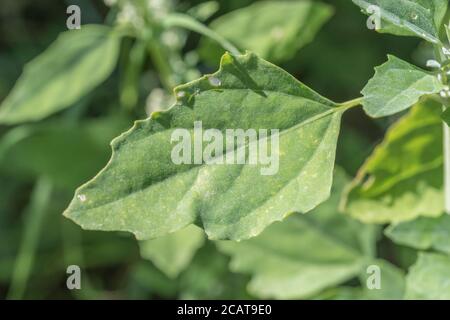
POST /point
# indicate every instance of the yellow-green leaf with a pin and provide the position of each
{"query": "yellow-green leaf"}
(403, 179)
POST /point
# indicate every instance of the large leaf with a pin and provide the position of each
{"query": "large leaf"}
(274, 30)
(429, 278)
(143, 191)
(173, 252)
(396, 86)
(72, 66)
(421, 18)
(303, 255)
(403, 178)
(423, 233)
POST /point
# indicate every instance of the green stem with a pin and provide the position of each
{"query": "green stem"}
(188, 22)
(162, 65)
(351, 103)
(34, 219)
(446, 141)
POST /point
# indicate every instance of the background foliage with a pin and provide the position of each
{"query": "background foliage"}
(322, 255)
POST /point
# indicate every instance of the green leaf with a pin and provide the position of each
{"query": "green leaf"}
(143, 191)
(129, 86)
(423, 233)
(62, 74)
(274, 30)
(396, 86)
(204, 10)
(188, 22)
(303, 255)
(421, 18)
(403, 178)
(428, 278)
(173, 252)
(144, 275)
(208, 277)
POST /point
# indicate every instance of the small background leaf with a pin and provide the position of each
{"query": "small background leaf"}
(423, 233)
(142, 191)
(67, 152)
(62, 74)
(428, 278)
(403, 178)
(173, 252)
(283, 262)
(274, 30)
(422, 18)
(396, 86)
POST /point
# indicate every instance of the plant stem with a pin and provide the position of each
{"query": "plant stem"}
(34, 219)
(187, 22)
(446, 166)
(351, 103)
(446, 141)
(162, 65)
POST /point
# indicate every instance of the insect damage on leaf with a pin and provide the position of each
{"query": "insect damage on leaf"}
(142, 190)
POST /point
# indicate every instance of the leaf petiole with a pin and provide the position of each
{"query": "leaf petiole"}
(351, 103)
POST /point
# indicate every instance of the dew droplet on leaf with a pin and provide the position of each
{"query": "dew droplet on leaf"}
(181, 94)
(215, 82)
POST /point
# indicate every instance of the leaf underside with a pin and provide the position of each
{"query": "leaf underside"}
(142, 191)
